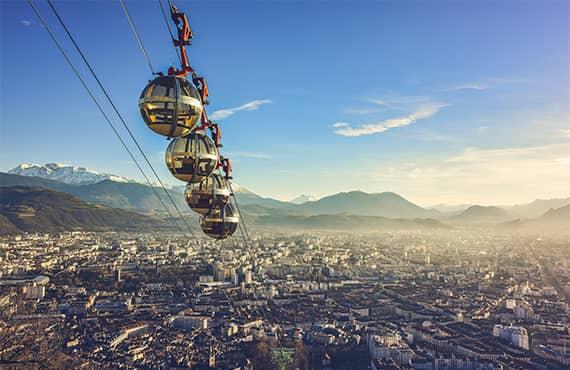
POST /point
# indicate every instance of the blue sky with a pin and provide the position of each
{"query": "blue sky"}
(440, 101)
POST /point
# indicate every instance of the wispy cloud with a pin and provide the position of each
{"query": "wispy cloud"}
(340, 125)
(491, 175)
(363, 111)
(25, 23)
(228, 112)
(251, 155)
(565, 133)
(515, 153)
(470, 86)
(507, 80)
(422, 112)
(482, 129)
(405, 103)
(434, 136)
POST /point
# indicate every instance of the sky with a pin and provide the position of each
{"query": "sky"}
(439, 101)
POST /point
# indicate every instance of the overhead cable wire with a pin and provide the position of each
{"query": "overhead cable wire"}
(245, 242)
(242, 219)
(50, 3)
(137, 35)
(168, 26)
(100, 108)
(243, 235)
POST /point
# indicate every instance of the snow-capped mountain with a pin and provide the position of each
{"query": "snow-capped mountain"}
(241, 190)
(65, 173)
(303, 198)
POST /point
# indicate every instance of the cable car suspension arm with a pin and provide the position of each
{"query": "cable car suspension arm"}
(185, 36)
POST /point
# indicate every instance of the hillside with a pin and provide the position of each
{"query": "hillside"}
(482, 214)
(387, 204)
(559, 215)
(141, 197)
(109, 193)
(345, 223)
(537, 207)
(303, 198)
(73, 175)
(249, 198)
(40, 210)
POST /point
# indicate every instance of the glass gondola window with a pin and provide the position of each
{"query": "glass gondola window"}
(208, 196)
(220, 225)
(192, 158)
(171, 106)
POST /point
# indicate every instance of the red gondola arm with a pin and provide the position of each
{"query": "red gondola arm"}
(216, 133)
(200, 83)
(226, 167)
(184, 38)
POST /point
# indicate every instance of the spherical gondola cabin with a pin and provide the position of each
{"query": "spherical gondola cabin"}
(220, 225)
(192, 158)
(209, 195)
(171, 106)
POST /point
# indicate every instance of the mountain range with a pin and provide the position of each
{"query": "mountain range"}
(41, 210)
(482, 214)
(385, 204)
(349, 208)
(303, 198)
(72, 175)
(125, 195)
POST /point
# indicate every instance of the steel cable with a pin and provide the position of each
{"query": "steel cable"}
(168, 26)
(137, 35)
(50, 3)
(100, 108)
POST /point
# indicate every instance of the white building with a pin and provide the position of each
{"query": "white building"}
(516, 335)
(34, 291)
(190, 322)
(389, 346)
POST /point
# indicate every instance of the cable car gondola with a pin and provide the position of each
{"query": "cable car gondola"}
(208, 196)
(171, 106)
(192, 158)
(220, 225)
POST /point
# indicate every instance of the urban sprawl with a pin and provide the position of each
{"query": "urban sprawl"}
(453, 299)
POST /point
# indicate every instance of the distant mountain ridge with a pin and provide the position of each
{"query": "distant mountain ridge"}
(109, 193)
(303, 198)
(29, 209)
(561, 214)
(119, 192)
(483, 214)
(385, 204)
(537, 207)
(67, 174)
(141, 197)
(344, 222)
(40, 210)
(36, 208)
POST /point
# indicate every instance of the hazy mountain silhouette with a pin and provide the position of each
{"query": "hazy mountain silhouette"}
(537, 207)
(73, 175)
(482, 214)
(385, 204)
(127, 195)
(343, 222)
(35, 209)
(561, 215)
(141, 198)
(303, 198)
(450, 209)
(553, 221)
(249, 198)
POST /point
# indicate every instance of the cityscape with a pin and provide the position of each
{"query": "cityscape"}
(459, 299)
(285, 185)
